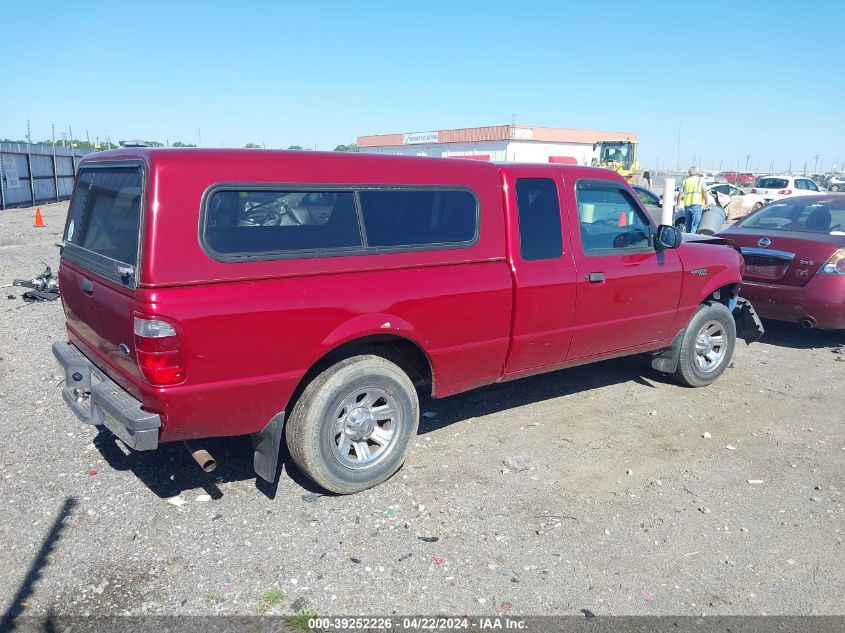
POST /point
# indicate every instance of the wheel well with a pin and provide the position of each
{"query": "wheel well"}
(723, 294)
(406, 354)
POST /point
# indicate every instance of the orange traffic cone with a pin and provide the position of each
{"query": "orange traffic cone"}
(623, 220)
(39, 221)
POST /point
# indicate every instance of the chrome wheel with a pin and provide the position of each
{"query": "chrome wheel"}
(710, 346)
(365, 424)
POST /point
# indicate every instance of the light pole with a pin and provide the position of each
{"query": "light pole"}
(678, 154)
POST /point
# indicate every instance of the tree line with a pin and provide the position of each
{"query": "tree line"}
(94, 147)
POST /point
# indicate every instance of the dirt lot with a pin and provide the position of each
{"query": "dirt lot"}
(623, 507)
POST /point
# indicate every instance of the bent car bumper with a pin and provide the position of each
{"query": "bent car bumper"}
(748, 325)
(98, 400)
(821, 300)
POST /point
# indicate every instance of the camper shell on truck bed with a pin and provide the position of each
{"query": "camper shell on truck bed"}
(242, 292)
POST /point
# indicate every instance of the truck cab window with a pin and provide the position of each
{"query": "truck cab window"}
(610, 219)
(539, 219)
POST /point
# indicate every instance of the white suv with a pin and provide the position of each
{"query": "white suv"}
(777, 187)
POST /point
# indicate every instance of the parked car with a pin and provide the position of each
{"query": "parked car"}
(777, 187)
(738, 203)
(740, 179)
(794, 253)
(654, 205)
(247, 292)
(836, 182)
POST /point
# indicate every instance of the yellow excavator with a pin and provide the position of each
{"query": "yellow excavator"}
(620, 156)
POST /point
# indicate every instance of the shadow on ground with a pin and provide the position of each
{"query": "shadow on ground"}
(40, 561)
(794, 336)
(518, 393)
(170, 470)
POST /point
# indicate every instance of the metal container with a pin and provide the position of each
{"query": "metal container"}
(712, 220)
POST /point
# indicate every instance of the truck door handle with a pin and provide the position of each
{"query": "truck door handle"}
(88, 286)
(595, 278)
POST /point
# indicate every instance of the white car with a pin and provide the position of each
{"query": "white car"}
(836, 182)
(738, 203)
(777, 187)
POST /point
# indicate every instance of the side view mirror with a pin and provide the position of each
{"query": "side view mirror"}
(667, 237)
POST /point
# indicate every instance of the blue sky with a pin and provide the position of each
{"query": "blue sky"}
(758, 78)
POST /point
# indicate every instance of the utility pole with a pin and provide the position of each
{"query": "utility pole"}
(747, 158)
(55, 170)
(678, 154)
(29, 163)
(816, 167)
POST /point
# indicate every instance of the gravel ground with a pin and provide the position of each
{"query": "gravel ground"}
(613, 499)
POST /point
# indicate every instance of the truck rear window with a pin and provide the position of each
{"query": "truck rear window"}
(104, 216)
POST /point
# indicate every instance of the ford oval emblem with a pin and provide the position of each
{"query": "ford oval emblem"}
(764, 242)
(123, 347)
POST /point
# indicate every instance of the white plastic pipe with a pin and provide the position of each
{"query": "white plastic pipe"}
(667, 216)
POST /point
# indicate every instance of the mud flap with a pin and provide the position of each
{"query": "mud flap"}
(266, 445)
(748, 325)
(667, 360)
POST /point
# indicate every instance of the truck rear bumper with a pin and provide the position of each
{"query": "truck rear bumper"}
(98, 400)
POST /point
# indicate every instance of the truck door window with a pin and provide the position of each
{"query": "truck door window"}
(646, 197)
(539, 219)
(610, 220)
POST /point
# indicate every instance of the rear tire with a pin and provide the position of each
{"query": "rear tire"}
(352, 427)
(707, 346)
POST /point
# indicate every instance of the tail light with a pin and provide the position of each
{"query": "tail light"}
(835, 265)
(784, 192)
(754, 191)
(158, 350)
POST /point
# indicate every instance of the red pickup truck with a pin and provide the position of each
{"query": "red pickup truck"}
(313, 295)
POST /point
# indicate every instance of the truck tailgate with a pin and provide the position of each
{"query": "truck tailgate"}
(97, 271)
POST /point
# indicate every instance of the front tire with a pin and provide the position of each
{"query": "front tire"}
(707, 346)
(352, 427)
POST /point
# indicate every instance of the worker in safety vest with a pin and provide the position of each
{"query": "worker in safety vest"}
(692, 198)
